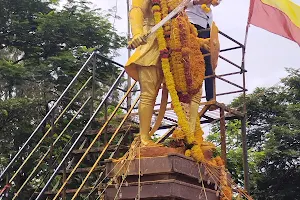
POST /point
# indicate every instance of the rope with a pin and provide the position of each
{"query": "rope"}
(131, 159)
(217, 174)
(108, 184)
(127, 156)
(97, 184)
(202, 183)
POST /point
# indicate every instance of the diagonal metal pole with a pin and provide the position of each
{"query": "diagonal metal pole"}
(94, 141)
(46, 116)
(49, 149)
(80, 135)
(104, 149)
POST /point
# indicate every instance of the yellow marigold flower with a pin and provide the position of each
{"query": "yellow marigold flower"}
(178, 134)
(190, 138)
(205, 8)
(197, 153)
(155, 8)
(167, 28)
(213, 162)
(199, 136)
(188, 153)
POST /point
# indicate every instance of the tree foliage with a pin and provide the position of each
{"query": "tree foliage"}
(273, 132)
(42, 47)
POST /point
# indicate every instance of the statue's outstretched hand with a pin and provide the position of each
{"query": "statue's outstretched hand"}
(136, 41)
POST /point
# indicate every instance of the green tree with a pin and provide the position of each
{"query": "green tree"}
(273, 140)
(41, 49)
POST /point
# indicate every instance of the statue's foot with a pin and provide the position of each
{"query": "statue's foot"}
(149, 143)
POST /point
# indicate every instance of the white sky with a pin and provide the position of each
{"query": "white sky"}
(267, 54)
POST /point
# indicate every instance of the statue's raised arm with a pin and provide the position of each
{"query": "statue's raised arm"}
(138, 14)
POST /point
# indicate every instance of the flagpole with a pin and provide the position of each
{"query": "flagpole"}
(245, 43)
(244, 119)
(247, 30)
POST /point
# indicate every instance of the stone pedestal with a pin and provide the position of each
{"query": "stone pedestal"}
(173, 176)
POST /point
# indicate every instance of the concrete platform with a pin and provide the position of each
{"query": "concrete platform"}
(167, 177)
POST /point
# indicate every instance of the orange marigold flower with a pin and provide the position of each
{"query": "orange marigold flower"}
(227, 192)
(219, 161)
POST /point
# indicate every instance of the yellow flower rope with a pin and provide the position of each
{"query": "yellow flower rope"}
(162, 44)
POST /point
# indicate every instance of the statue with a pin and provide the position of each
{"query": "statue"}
(145, 66)
(172, 57)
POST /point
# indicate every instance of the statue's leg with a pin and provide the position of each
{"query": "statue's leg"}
(150, 79)
(194, 107)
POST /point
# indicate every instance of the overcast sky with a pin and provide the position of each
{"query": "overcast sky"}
(267, 54)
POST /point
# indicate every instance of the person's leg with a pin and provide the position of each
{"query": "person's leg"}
(209, 82)
(150, 79)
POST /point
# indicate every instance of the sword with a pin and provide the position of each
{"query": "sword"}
(174, 12)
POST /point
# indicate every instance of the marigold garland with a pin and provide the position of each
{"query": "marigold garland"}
(183, 61)
(178, 134)
(188, 67)
(207, 9)
(225, 189)
(183, 68)
(182, 120)
(197, 153)
(188, 153)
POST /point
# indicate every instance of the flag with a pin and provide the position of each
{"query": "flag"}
(281, 17)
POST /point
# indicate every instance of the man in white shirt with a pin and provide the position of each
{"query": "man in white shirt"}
(202, 20)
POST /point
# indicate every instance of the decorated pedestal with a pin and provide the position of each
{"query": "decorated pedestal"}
(170, 176)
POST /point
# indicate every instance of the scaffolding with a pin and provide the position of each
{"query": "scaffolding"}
(127, 92)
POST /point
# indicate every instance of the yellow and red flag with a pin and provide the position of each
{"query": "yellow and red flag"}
(281, 17)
